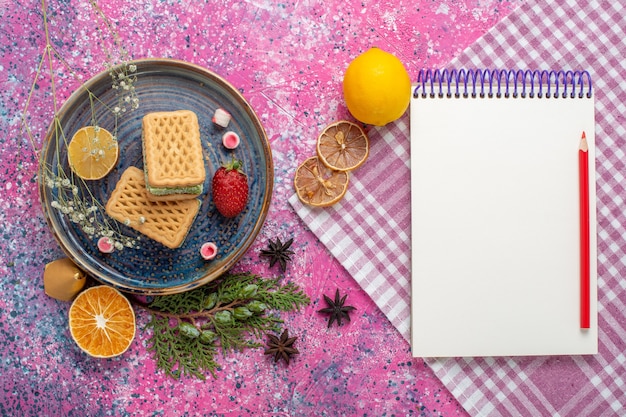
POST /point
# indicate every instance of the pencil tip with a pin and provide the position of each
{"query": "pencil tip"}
(583, 143)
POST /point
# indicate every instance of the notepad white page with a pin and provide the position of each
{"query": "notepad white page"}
(495, 226)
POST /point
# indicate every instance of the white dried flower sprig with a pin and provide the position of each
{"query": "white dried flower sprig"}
(83, 209)
(123, 79)
(72, 195)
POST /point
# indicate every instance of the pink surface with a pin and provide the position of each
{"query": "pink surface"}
(288, 60)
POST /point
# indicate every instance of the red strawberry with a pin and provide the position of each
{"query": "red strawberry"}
(230, 189)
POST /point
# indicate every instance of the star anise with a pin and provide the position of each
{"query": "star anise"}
(281, 347)
(278, 252)
(336, 309)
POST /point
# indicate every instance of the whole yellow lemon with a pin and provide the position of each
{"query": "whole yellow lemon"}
(376, 87)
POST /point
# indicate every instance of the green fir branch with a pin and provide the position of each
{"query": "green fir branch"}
(180, 356)
(288, 298)
(230, 314)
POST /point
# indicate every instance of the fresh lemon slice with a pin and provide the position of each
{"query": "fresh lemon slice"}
(92, 152)
(102, 322)
(319, 186)
(343, 146)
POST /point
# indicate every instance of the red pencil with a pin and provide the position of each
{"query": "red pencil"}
(583, 177)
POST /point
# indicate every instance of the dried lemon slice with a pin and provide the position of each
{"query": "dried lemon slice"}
(343, 146)
(319, 186)
(92, 152)
(102, 322)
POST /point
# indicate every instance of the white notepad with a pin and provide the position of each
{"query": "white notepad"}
(495, 216)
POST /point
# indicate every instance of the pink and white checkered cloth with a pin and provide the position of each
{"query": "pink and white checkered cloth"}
(368, 232)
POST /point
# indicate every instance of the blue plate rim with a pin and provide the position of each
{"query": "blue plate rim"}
(77, 255)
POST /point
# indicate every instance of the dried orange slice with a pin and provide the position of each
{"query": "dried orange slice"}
(92, 152)
(343, 146)
(319, 186)
(102, 322)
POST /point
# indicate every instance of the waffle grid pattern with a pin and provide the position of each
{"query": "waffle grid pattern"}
(172, 149)
(167, 222)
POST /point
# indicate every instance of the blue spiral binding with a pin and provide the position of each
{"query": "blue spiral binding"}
(503, 83)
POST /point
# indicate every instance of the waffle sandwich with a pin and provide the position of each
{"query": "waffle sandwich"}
(167, 222)
(173, 157)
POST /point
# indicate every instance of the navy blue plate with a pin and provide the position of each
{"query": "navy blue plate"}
(151, 268)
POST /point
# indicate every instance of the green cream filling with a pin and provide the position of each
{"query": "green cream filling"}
(195, 189)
